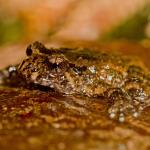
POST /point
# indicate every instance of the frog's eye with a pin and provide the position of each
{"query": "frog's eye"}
(36, 48)
(29, 50)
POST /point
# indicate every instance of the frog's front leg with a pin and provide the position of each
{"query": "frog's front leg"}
(122, 104)
(9, 76)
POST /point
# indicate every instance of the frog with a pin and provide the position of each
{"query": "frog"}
(123, 81)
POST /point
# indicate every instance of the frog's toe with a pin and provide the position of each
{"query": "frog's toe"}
(122, 109)
(119, 116)
(116, 113)
(136, 111)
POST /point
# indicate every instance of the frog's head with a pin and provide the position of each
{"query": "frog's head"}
(43, 66)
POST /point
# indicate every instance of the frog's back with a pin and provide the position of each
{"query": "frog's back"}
(87, 57)
(96, 72)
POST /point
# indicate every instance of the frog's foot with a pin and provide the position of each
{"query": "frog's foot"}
(122, 108)
(6, 74)
(10, 77)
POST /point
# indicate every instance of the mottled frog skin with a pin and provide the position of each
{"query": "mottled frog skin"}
(124, 82)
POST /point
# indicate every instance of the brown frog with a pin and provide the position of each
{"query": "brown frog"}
(124, 82)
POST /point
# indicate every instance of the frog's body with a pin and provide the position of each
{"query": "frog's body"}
(122, 81)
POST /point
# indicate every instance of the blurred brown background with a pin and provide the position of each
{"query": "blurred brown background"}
(60, 21)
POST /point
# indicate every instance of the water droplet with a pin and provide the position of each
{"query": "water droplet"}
(109, 78)
(101, 78)
(140, 108)
(112, 115)
(92, 69)
(106, 67)
(135, 114)
(56, 125)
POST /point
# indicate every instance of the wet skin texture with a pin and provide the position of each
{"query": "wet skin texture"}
(124, 82)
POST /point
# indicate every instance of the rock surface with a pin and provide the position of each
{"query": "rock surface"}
(40, 120)
(33, 119)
